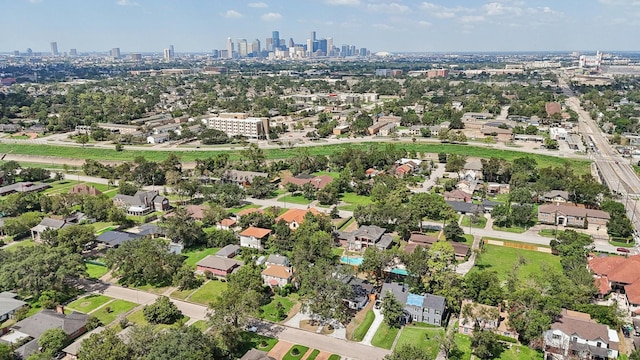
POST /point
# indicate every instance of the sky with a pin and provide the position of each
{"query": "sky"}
(378, 25)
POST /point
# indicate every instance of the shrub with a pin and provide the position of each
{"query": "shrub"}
(162, 311)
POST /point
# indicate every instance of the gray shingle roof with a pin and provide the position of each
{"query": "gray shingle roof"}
(9, 304)
(277, 259)
(116, 238)
(228, 250)
(37, 324)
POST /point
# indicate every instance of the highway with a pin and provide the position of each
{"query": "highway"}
(614, 170)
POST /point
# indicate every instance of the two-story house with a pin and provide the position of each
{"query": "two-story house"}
(142, 202)
(427, 308)
(487, 317)
(364, 237)
(576, 335)
(254, 237)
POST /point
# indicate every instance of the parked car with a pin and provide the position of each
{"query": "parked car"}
(621, 249)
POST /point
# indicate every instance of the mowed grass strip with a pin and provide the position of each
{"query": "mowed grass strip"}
(89, 303)
(384, 336)
(422, 337)
(96, 271)
(362, 329)
(94, 153)
(116, 308)
(208, 292)
(501, 259)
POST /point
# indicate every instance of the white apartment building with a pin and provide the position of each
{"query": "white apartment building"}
(239, 124)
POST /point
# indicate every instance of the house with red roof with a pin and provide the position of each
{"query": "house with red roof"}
(295, 217)
(254, 237)
(618, 274)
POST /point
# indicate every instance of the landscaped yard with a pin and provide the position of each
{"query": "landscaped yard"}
(269, 312)
(353, 200)
(195, 255)
(117, 308)
(297, 198)
(208, 292)
(425, 338)
(333, 174)
(481, 221)
(364, 326)
(181, 294)
(463, 343)
(96, 271)
(384, 336)
(256, 341)
(89, 303)
(501, 259)
(296, 352)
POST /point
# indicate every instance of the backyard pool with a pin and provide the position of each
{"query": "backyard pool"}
(399, 271)
(355, 261)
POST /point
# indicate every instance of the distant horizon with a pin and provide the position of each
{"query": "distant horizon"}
(395, 26)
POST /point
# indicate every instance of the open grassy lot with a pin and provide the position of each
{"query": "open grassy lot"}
(353, 200)
(480, 222)
(89, 303)
(117, 308)
(195, 255)
(77, 152)
(96, 271)
(269, 312)
(501, 259)
(514, 229)
(425, 338)
(463, 342)
(208, 292)
(384, 336)
(181, 294)
(364, 326)
(297, 198)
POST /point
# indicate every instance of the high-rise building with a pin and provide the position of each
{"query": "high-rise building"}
(16, 52)
(275, 36)
(313, 36)
(309, 47)
(322, 46)
(291, 43)
(229, 48)
(167, 54)
(54, 48)
(215, 53)
(363, 51)
(29, 52)
(115, 53)
(73, 52)
(345, 51)
(243, 50)
(268, 44)
(255, 47)
(136, 57)
(171, 53)
(329, 46)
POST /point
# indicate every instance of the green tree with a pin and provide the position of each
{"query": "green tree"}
(104, 345)
(6, 353)
(162, 311)
(181, 228)
(453, 232)
(392, 310)
(375, 261)
(187, 343)
(52, 341)
(185, 278)
(486, 345)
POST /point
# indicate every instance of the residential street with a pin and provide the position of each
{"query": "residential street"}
(350, 350)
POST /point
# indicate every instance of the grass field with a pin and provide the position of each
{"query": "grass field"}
(195, 255)
(362, 329)
(117, 308)
(77, 152)
(353, 200)
(384, 336)
(181, 294)
(89, 303)
(269, 312)
(96, 271)
(463, 343)
(208, 292)
(501, 259)
(296, 198)
(466, 222)
(425, 338)
(334, 175)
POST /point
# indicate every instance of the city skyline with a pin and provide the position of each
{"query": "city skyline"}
(393, 26)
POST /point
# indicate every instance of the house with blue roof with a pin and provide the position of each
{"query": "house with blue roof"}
(426, 308)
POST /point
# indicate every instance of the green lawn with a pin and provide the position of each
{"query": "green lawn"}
(256, 341)
(117, 307)
(268, 311)
(201, 324)
(89, 303)
(78, 152)
(333, 174)
(519, 353)
(208, 292)
(466, 222)
(296, 198)
(334, 357)
(138, 318)
(468, 239)
(18, 244)
(313, 355)
(623, 244)
(463, 342)
(96, 271)
(514, 229)
(362, 329)
(103, 226)
(355, 199)
(244, 207)
(425, 338)
(195, 255)
(501, 259)
(301, 351)
(181, 294)
(384, 336)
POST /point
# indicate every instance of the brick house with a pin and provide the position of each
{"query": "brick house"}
(217, 265)
(574, 216)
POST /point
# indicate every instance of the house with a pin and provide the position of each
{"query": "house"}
(277, 275)
(362, 292)
(487, 318)
(9, 305)
(34, 326)
(217, 265)
(457, 195)
(254, 237)
(427, 308)
(151, 230)
(295, 217)
(475, 165)
(499, 133)
(565, 215)
(248, 211)
(365, 236)
(276, 259)
(56, 224)
(558, 133)
(242, 178)
(340, 129)
(196, 211)
(84, 189)
(255, 354)
(497, 189)
(619, 274)
(142, 202)
(157, 138)
(226, 224)
(575, 334)
(229, 251)
(115, 238)
(557, 196)
(489, 205)
(403, 170)
(465, 207)
(22, 187)
(319, 182)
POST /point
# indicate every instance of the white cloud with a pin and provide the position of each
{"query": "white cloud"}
(271, 16)
(388, 8)
(382, 26)
(123, 3)
(498, 9)
(443, 12)
(469, 19)
(424, 23)
(343, 2)
(257, 5)
(232, 14)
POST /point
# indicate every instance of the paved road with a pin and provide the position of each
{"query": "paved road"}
(198, 312)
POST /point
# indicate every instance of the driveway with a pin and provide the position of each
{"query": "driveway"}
(377, 321)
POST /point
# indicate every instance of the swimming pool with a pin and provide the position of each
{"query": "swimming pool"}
(356, 261)
(400, 271)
